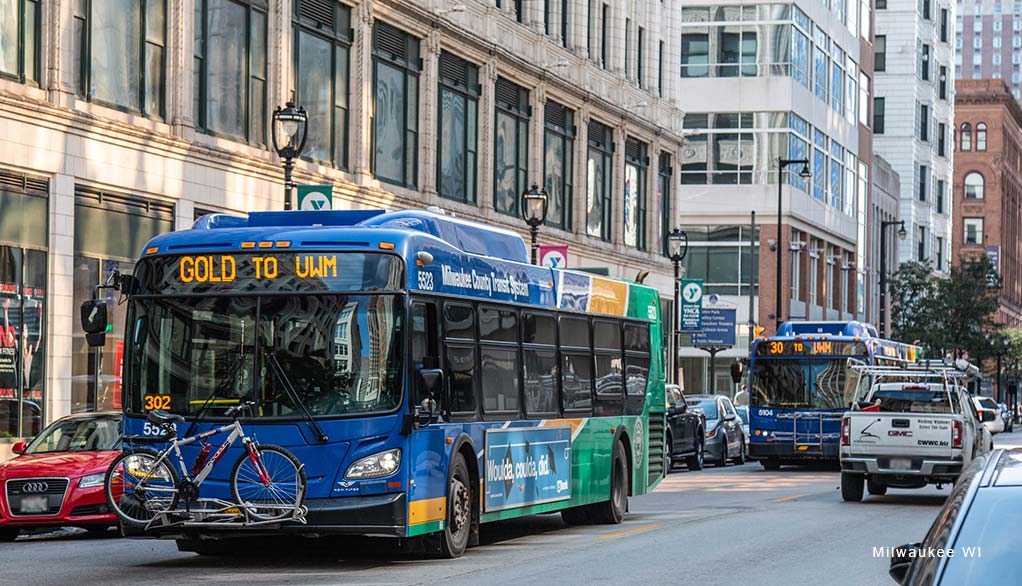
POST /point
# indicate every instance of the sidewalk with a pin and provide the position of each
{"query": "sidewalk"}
(1009, 440)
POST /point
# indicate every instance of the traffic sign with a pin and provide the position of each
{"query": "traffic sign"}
(718, 327)
(691, 305)
(315, 197)
(553, 255)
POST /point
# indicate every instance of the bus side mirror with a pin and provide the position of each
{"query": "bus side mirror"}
(94, 322)
(736, 372)
(432, 380)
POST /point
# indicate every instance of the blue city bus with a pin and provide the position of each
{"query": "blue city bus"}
(799, 385)
(425, 374)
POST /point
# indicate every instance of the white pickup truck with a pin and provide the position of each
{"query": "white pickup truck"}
(922, 430)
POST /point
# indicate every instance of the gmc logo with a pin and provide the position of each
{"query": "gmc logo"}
(899, 433)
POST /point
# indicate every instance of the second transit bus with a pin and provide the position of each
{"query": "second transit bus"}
(443, 381)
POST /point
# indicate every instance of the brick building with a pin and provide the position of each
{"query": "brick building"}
(988, 185)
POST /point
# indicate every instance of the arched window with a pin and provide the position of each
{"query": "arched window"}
(974, 185)
(981, 137)
(966, 137)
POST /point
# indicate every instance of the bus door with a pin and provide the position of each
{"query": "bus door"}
(808, 430)
(427, 462)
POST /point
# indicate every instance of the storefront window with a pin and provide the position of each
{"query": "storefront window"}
(110, 232)
(23, 213)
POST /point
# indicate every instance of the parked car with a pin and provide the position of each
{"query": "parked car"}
(743, 414)
(57, 478)
(994, 424)
(977, 523)
(724, 438)
(685, 431)
(1009, 423)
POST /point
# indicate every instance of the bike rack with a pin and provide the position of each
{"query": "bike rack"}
(217, 513)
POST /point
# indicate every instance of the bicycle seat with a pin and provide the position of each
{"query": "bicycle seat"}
(161, 417)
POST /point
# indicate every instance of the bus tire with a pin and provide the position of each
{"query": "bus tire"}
(851, 487)
(695, 461)
(576, 516)
(771, 464)
(612, 511)
(458, 527)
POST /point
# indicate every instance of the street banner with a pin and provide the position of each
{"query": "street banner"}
(526, 466)
(315, 197)
(718, 328)
(691, 305)
(553, 255)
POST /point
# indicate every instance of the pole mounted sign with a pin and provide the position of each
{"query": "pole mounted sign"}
(554, 256)
(691, 305)
(315, 197)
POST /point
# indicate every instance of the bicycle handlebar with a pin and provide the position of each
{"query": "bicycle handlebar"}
(234, 411)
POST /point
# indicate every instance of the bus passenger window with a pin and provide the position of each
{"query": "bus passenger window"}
(576, 365)
(424, 342)
(461, 364)
(499, 380)
(636, 367)
(459, 321)
(609, 367)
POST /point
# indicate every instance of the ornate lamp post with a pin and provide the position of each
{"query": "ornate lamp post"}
(805, 174)
(677, 249)
(289, 131)
(902, 234)
(534, 207)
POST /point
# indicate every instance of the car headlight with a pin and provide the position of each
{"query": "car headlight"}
(92, 480)
(375, 466)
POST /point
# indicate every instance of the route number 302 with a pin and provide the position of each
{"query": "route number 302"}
(150, 402)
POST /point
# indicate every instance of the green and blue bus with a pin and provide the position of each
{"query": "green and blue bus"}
(441, 380)
(800, 384)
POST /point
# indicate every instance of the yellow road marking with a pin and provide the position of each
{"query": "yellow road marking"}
(628, 531)
(789, 497)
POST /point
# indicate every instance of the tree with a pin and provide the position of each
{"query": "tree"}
(946, 315)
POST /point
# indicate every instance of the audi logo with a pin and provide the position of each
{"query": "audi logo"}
(30, 487)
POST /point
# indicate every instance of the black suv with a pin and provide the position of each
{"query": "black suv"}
(685, 429)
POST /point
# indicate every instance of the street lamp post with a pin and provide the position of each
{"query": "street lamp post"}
(805, 174)
(534, 207)
(289, 131)
(902, 234)
(677, 249)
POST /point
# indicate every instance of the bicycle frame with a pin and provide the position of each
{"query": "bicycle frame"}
(175, 446)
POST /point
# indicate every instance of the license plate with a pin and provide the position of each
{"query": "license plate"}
(901, 463)
(34, 504)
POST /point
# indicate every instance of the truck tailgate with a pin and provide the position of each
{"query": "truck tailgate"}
(901, 434)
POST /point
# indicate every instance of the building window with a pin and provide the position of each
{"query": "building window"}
(973, 185)
(941, 134)
(660, 70)
(864, 99)
(120, 49)
(19, 41)
(821, 63)
(942, 83)
(395, 123)
(926, 9)
(881, 4)
(966, 139)
(923, 174)
(940, 195)
(511, 142)
(924, 63)
(598, 180)
(973, 230)
(230, 69)
(943, 25)
(878, 115)
(636, 165)
(722, 257)
(605, 37)
(981, 137)
(695, 55)
(819, 165)
(640, 56)
(665, 194)
(924, 122)
(921, 243)
(565, 8)
(880, 52)
(939, 252)
(322, 50)
(458, 128)
(558, 157)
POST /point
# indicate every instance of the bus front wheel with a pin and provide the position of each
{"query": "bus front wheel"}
(459, 509)
(612, 512)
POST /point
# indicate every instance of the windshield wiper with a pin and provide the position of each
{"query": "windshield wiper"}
(285, 382)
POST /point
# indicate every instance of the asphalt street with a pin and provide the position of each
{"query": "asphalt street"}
(727, 526)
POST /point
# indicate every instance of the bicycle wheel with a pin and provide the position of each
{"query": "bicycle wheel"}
(269, 482)
(139, 486)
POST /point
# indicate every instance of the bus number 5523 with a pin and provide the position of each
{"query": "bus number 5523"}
(425, 281)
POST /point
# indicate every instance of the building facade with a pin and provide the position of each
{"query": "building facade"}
(883, 209)
(988, 39)
(121, 120)
(760, 83)
(988, 186)
(914, 118)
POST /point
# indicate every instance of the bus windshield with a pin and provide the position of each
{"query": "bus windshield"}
(802, 383)
(342, 353)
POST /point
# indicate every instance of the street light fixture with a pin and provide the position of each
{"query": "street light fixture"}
(804, 173)
(677, 250)
(289, 131)
(902, 234)
(534, 207)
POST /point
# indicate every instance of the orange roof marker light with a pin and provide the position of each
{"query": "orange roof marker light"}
(265, 245)
(248, 244)
(152, 250)
(387, 245)
(284, 244)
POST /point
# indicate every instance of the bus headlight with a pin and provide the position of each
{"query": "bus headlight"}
(375, 466)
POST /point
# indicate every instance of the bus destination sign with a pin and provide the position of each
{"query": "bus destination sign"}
(810, 348)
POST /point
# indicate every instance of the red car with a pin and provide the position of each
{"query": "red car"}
(57, 479)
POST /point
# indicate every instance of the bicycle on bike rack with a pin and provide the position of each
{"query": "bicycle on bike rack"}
(144, 490)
